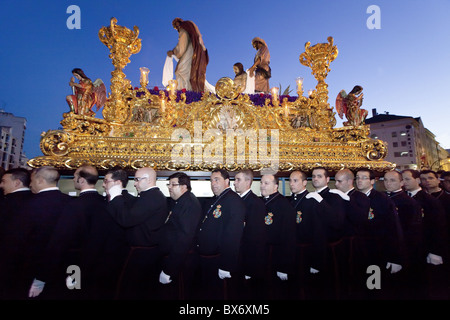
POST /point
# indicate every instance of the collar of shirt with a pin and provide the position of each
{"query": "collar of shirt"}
(414, 192)
(88, 190)
(297, 194)
(49, 189)
(349, 190)
(321, 189)
(148, 188)
(244, 193)
(368, 192)
(21, 189)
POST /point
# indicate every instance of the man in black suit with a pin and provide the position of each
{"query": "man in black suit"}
(254, 238)
(410, 216)
(118, 176)
(280, 224)
(177, 235)
(380, 241)
(333, 216)
(15, 186)
(43, 212)
(142, 220)
(219, 236)
(311, 239)
(87, 236)
(435, 234)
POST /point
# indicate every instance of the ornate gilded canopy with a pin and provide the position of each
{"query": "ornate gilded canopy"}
(163, 130)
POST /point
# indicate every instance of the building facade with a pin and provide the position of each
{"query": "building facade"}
(410, 144)
(12, 130)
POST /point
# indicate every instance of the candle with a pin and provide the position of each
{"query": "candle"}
(163, 105)
(144, 76)
(310, 93)
(299, 85)
(275, 93)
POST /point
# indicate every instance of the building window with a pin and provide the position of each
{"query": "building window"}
(402, 133)
(395, 144)
(374, 136)
(404, 154)
(397, 154)
(403, 143)
(394, 134)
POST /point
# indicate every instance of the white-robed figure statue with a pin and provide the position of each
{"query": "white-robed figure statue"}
(192, 56)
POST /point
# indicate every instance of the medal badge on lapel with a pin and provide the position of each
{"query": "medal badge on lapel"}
(268, 219)
(423, 213)
(217, 213)
(299, 217)
(371, 215)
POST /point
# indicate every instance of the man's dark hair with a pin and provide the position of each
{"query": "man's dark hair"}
(302, 174)
(183, 179)
(326, 173)
(120, 174)
(429, 171)
(371, 173)
(445, 174)
(414, 173)
(90, 178)
(21, 174)
(224, 173)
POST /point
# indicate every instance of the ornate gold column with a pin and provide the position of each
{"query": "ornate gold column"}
(122, 43)
(318, 58)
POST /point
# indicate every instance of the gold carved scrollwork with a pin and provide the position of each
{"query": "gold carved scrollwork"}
(56, 143)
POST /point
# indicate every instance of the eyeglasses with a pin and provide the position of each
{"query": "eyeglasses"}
(362, 178)
(137, 179)
(172, 185)
(108, 181)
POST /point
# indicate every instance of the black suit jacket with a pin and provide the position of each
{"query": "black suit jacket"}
(43, 213)
(254, 238)
(434, 224)
(221, 229)
(280, 224)
(333, 214)
(143, 218)
(357, 210)
(384, 227)
(310, 229)
(177, 234)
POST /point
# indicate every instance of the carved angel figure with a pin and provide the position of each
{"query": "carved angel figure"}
(86, 94)
(350, 105)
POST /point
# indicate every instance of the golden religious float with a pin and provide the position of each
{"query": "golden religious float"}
(171, 129)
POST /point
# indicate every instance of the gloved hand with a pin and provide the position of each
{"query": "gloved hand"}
(36, 288)
(341, 194)
(224, 274)
(312, 270)
(315, 195)
(114, 191)
(164, 278)
(282, 276)
(434, 259)
(394, 267)
(247, 277)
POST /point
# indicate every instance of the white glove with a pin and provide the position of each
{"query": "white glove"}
(114, 191)
(314, 195)
(434, 259)
(247, 277)
(36, 288)
(394, 267)
(312, 270)
(341, 194)
(224, 274)
(282, 276)
(164, 278)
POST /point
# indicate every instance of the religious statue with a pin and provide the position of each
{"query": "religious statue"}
(192, 54)
(260, 68)
(240, 79)
(86, 94)
(350, 105)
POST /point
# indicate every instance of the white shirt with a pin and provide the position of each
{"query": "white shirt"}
(244, 193)
(49, 189)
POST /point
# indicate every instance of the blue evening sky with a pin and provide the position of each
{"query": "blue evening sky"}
(403, 67)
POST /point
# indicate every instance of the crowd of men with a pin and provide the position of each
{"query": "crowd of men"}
(350, 241)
